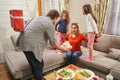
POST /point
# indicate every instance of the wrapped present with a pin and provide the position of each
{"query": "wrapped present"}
(17, 22)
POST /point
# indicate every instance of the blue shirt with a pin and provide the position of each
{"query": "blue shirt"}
(62, 26)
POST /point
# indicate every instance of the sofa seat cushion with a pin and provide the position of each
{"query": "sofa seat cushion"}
(85, 52)
(100, 62)
(115, 71)
(114, 53)
(52, 59)
(19, 65)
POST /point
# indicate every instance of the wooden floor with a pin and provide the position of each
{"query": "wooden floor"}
(4, 72)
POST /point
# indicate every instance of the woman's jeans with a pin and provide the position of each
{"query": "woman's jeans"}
(36, 66)
(71, 57)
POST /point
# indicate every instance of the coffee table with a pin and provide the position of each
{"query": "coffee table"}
(52, 75)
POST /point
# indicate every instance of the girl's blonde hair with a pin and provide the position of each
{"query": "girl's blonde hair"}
(67, 15)
(76, 24)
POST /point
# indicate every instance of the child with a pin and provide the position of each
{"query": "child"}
(61, 27)
(92, 29)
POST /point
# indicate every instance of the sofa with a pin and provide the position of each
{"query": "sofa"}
(19, 66)
(103, 63)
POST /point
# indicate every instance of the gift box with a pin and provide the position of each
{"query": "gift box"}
(16, 18)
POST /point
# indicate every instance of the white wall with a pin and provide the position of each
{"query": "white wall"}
(75, 8)
(29, 8)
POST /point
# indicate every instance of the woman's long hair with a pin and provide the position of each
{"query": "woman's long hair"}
(88, 10)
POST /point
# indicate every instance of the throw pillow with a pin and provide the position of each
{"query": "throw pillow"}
(114, 53)
(119, 58)
(14, 40)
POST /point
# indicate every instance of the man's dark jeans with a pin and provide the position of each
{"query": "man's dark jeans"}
(36, 66)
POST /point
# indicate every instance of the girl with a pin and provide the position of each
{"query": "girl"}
(92, 29)
(75, 39)
(61, 27)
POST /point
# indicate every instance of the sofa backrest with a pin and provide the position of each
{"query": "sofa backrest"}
(106, 42)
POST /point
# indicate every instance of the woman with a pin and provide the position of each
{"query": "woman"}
(75, 39)
(34, 40)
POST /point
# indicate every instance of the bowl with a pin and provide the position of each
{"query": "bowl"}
(65, 74)
(86, 73)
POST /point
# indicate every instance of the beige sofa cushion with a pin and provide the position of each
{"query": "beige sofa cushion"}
(53, 60)
(116, 42)
(114, 53)
(104, 43)
(115, 71)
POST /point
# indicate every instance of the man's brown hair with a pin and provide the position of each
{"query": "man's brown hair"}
(53, 14)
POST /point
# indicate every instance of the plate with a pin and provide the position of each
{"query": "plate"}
(65, 74)
(86, 73)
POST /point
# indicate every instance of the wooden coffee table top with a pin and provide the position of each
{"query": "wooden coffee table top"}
(52, 75)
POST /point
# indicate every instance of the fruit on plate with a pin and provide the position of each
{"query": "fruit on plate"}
(95, 78)
(72, 67)
(85, 73)
(59, 79)
(65, 74)
(79, 76)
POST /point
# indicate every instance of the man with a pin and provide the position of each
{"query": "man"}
(34, 40)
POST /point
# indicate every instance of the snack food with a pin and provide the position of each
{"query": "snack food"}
(79, 76)
(65, 74)
(74, 68)
(87, 74)
(66, 44)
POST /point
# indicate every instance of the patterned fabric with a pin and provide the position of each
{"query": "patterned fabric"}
(36, 35)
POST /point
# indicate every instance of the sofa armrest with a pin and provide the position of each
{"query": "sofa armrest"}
(1, 52)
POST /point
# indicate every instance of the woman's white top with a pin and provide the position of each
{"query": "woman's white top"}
(91, 24)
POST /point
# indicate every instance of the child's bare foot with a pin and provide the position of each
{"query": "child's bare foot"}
(91, 58)
(87, 58)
